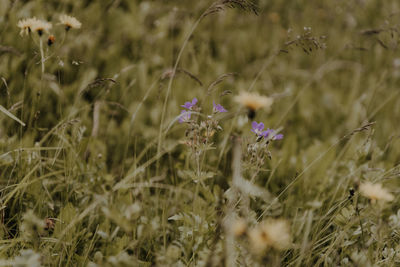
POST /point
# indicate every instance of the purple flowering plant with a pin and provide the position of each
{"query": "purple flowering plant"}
(190, 105)
(218, 108)
(258, 151)
(185, 116)
(201, 128)
(258, 129)
(186, 113)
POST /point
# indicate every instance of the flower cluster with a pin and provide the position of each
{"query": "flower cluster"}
(187, 112)
(41, 26)
(257, 151)
(191, 106)
(33, 25)
(199, 132)
(258, 129)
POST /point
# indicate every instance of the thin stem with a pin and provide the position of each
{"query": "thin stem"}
(198, 167)
(361, 225)
(41, 54)
(196, 193)
(170, 84)
(132, 121)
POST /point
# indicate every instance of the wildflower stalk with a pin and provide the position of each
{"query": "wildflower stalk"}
(213, 8)
(96, 118)
(36, 105)
(185, 42)
(41, 54)
(204, 152)
(357, 209)
(229, 248)
(64, 37)
(196, 193)
(164, 110)
(198, 174)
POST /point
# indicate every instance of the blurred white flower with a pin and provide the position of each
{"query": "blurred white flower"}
(41, 26)
(70, 22)
(270, 234)
(26, 25)
(375, 192)
(239, 227)
(254, 101)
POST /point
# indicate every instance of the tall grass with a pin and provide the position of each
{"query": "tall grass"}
(96, 170)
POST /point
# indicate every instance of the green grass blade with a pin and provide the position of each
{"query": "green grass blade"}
(9, 114)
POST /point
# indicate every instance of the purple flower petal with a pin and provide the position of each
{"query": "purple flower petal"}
(190, 105)
(257, 128)
(266, 133)
(185, 116)
(218, 108)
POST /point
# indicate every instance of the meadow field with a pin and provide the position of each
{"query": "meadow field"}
(200, 133)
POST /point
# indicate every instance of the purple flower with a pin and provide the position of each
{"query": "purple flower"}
(218, 108)
(258, 129)
(190, 105)
(185, 116)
